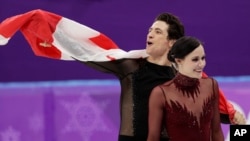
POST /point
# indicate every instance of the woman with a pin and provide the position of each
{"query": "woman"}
(189, 103)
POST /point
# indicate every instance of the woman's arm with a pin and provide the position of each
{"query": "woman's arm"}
(156, 110)
(227, 112)
(216, 130)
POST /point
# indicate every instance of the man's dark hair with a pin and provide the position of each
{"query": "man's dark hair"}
(176, 29)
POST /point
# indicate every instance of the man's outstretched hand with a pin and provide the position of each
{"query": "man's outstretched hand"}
(239, 118)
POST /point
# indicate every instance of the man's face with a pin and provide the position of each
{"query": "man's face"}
(193, 64)
(157, 43)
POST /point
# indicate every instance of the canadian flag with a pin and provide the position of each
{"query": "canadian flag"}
(53, 36)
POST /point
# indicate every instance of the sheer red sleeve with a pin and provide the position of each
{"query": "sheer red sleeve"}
(156, 112)
(225, 107)
(216, 131)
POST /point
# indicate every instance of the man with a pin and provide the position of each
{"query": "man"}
(137, 75)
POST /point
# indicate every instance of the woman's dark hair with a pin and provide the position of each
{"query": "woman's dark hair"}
(182, 47)
(176, 29)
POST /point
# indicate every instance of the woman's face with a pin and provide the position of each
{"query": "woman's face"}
(193, 64)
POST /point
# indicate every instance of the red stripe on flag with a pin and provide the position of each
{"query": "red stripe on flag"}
(104, 42)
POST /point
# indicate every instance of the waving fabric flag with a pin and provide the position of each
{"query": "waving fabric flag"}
(53, 36)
